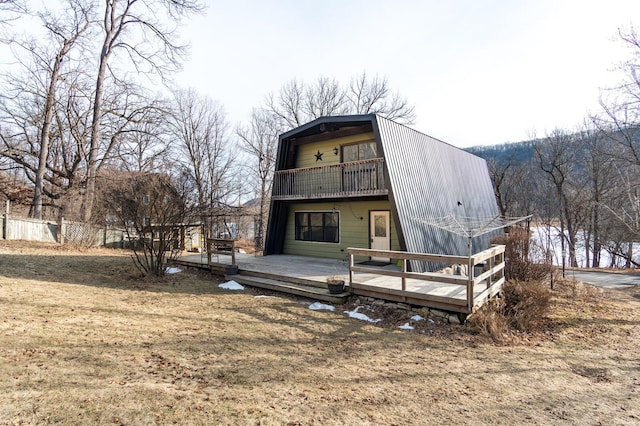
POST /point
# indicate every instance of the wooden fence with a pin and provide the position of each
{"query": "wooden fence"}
(63, 232)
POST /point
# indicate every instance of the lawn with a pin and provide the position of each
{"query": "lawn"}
(84, 340)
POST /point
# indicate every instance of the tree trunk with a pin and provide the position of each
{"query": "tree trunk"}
(92, 166)
(44, 142)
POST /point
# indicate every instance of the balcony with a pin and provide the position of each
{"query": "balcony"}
(353, 179)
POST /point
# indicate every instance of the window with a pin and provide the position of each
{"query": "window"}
(318, 226)
(146, 199)
(360, 151)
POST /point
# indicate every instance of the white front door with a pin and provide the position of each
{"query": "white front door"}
(379, 233)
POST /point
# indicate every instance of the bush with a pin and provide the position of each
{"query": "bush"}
(518, 254)
(523, 307)
(490, 320)
(526, 304)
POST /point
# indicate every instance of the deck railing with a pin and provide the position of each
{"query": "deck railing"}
(216, 246)
(356, 178)
(492, 275)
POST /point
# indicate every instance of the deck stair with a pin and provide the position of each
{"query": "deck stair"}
(292, 285)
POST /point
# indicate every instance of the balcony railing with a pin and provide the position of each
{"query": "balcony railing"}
(356, 178)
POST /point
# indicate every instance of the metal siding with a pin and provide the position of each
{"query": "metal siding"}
(427, 179)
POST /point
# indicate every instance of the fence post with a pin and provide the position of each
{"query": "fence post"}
(62, 230)
(5, 226)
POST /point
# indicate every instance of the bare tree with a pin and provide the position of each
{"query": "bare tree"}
(30, 100)
(135, 28)
(298, 102)
(259, 139)
(146, 149)
(555, 155)
(620, 124)
(66, 33)
(199, 131)
(620, 104)
(150, 209)
(11, 10)
(372, 96)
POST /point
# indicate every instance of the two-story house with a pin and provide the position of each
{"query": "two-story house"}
(367, 182)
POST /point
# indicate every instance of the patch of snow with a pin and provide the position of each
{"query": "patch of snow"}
(317, 306)
(431, 321)
(406, 326)
(416, 318)
(264, 296)
(355, 314)
(231, 285)
(172, 270)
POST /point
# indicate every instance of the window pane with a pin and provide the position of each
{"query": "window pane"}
(302, 219)
(315, 219)
(331, 219)
(301, 233)
(350, 153)
(331, 234)
(380, 226)
(367, 151)
(317, 233)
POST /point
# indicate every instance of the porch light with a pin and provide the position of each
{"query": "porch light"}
(335, 150)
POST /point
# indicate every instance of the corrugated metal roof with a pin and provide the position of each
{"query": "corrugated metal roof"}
(430, 179)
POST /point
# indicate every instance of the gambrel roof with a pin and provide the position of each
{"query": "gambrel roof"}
(426, 179)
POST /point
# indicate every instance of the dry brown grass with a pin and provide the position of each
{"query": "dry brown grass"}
(83, 341)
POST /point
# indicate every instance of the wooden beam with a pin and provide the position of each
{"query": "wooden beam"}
(488, 273)
(422, 276)
(412, 294)
(486, 254)
(394, 254)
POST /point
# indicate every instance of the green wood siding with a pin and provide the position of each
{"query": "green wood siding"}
(354, 231)
(306, 156)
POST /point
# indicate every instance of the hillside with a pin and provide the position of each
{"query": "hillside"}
(518, 152)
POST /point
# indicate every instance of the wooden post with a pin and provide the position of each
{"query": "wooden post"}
(233, 252)
(5, 223)
(404, 272)
(61, 230)
(470, 274)
(351, 264)
(492, 262)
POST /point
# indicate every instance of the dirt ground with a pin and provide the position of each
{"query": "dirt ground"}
(84, 340)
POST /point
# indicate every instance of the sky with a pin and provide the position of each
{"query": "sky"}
(477, 72)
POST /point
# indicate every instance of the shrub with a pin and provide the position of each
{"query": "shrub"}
(523, 307)
(490, 320)
(519, 250)
(526, 304)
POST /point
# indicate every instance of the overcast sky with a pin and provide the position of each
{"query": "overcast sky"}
(478, 72)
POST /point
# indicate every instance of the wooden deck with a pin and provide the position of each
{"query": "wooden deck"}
(306, 276)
